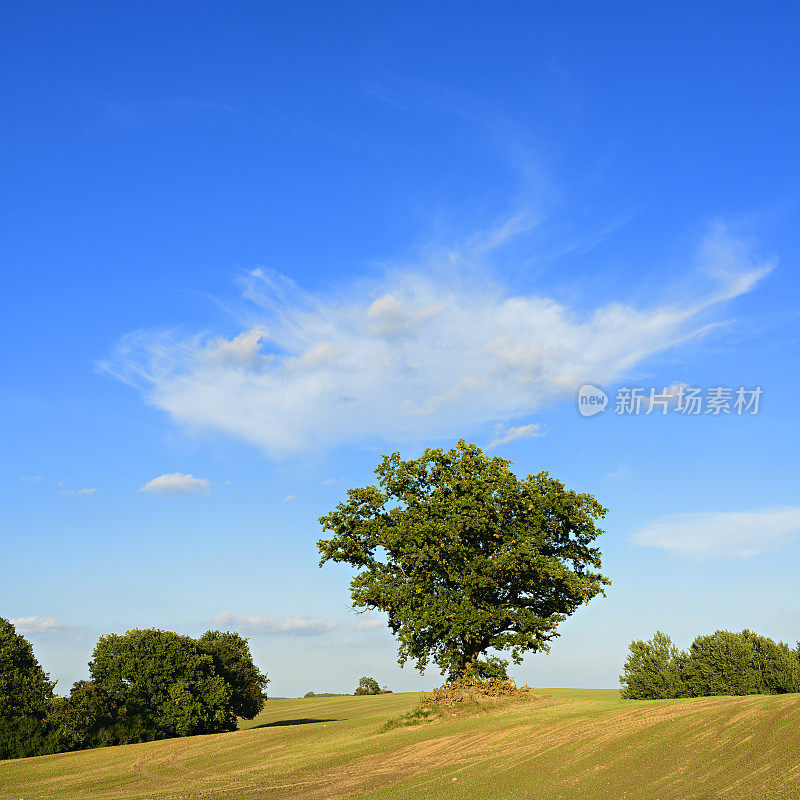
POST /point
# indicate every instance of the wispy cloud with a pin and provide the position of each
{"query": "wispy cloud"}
(176, 483)
(32, 479)
(290, 626)
(77, 492)
(723, 534)
(288, 498)
(518, 432)
(430, 351)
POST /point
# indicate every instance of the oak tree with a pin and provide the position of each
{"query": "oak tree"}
(463, 556)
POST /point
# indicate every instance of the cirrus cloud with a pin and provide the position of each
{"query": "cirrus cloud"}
(723, 534)
(426, 352)
(289, 626)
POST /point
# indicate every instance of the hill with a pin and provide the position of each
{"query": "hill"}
(570, 744)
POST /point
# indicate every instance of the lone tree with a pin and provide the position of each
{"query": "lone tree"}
(464, 557)
(368, 686)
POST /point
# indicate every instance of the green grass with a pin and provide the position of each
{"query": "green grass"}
(566, 744)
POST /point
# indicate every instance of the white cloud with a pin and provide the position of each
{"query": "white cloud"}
(288, 498)
(291, 626)
(432, 351)
(32, 479)
(176, 483)
(518, 432)
(369, 624)
(723, 534)
(77, 492)
(37, 625)
(33, 626)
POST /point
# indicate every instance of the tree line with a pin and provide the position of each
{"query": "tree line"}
(144, 685)
(721, 663)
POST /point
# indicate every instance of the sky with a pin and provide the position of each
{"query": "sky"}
(247, 248)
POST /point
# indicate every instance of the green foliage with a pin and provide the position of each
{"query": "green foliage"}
(165, 680)
(652, 670)
(722, 663)
(234, 663)
(89, 717)
(740, 664)
(491, 667)
(368, 686)
(26, 693)
(309, 694)
(463, 556)
(25, 688)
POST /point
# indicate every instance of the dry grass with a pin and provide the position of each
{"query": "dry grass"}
(570, 744)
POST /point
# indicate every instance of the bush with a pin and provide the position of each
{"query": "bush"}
(368, 686)
(653, 670)
(309, 694)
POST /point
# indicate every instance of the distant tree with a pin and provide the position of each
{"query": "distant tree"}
(368, 686)
(166, 682)
(234, 663)
(463, 556)
(653, 670)
(26, 693)
(727, 663)
(309, 694)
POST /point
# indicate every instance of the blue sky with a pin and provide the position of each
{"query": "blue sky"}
(249, 247)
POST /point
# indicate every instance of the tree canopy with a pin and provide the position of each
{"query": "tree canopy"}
(721, 663)
(463, 556)
(164, 678)
(26, 694)
(234, 664)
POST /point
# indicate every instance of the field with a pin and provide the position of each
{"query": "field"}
(567, 744)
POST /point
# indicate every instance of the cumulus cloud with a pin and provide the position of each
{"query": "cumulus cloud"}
(518, 432)
(723, 534)
(176, 483)
(290, 626)
(33, 626)
(429, 351)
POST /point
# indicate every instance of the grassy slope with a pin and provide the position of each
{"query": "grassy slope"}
(572, 744)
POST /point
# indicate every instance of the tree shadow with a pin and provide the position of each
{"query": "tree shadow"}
(302, 721)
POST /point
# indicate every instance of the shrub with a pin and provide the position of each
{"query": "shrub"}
(653, 670)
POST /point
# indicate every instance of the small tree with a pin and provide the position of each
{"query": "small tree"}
(234, 663)
(368, 686)
(652, 670)
(463, 556)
